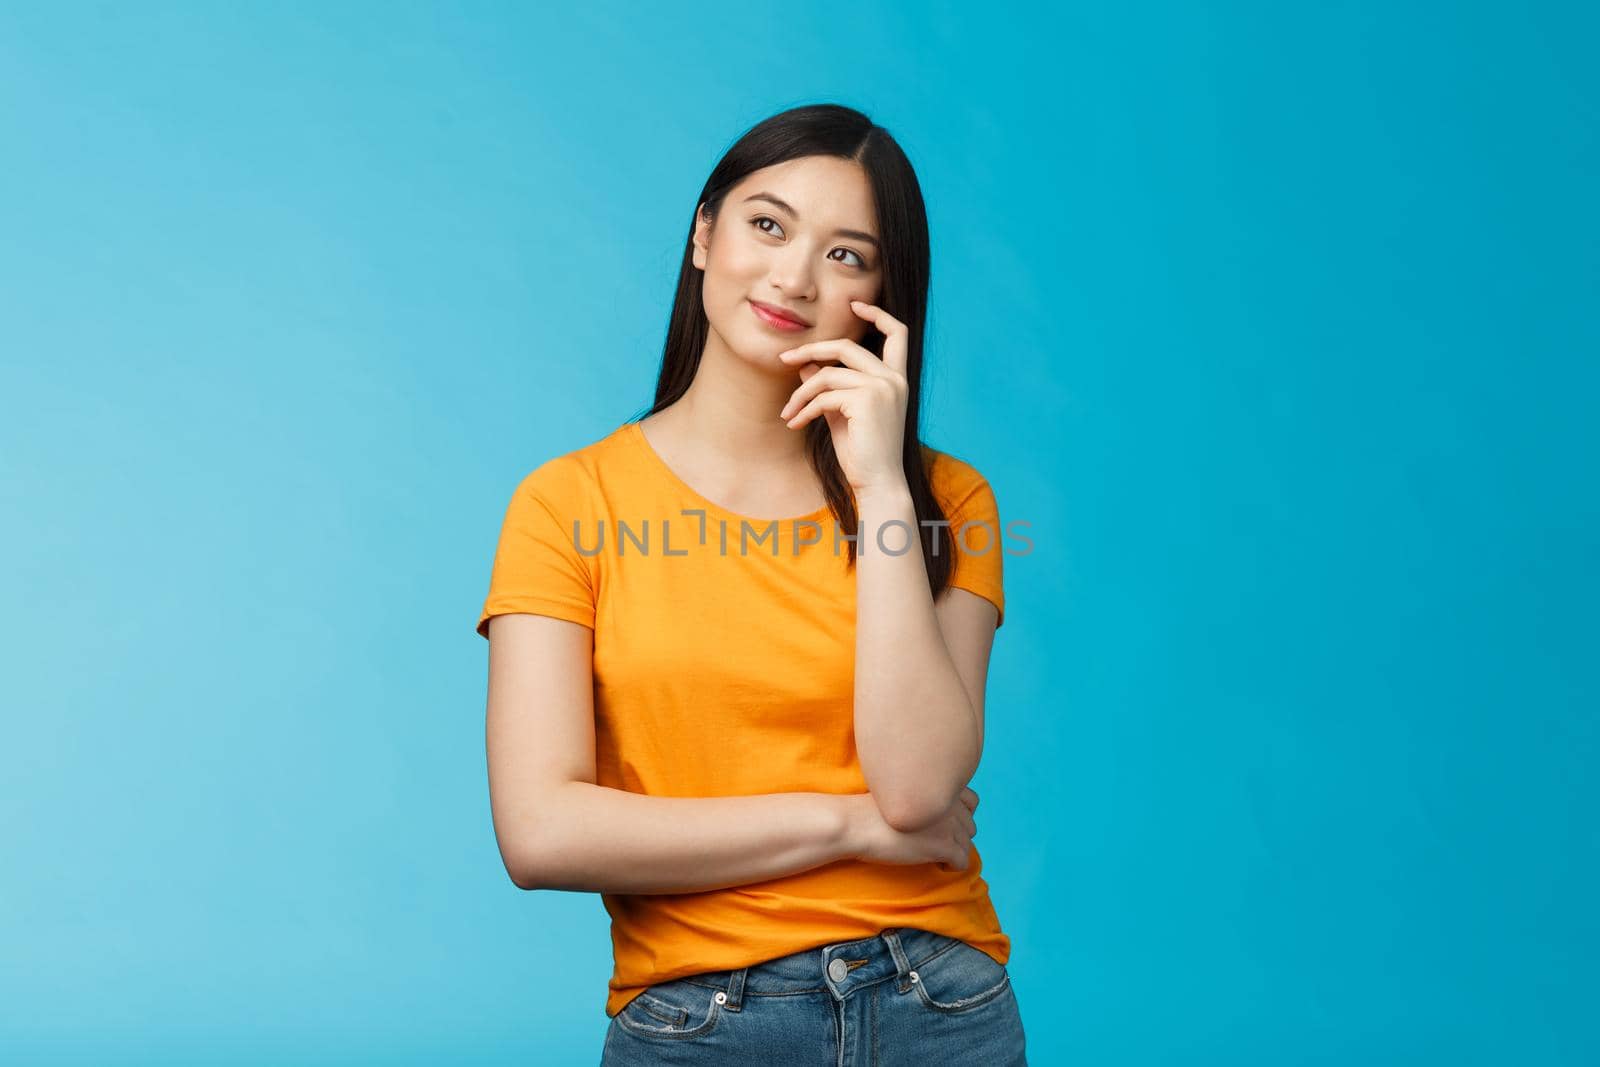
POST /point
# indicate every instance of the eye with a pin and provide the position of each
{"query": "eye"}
(859, 264)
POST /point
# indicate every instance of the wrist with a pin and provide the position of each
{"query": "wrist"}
(888, 495)
(850, 828)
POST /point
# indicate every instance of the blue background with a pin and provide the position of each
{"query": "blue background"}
(1277, 322)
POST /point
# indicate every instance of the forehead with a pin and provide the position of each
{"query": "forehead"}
(824, 190)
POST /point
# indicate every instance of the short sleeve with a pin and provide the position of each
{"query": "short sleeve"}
(974, 538)
(538, 569)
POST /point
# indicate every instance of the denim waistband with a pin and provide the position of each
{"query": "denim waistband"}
(893, 953)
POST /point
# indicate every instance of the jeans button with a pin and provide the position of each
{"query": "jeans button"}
(837, 970)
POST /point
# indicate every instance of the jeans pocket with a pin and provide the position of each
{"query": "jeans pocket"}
(959, 978)
(672, 1010)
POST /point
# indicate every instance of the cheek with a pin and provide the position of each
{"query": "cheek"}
(851, 324)
(721, 285)
(729, 276)
(738, 260)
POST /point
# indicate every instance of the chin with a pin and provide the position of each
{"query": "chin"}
(763, 351)
(755, 348)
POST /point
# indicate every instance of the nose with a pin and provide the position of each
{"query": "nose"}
(790, 272)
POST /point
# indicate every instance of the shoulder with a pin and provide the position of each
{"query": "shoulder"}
(571, 476)
(953, 480)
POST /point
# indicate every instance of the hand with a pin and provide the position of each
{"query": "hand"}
(864, 401)
(948, 841)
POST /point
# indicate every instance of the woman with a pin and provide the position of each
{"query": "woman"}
(748, 728)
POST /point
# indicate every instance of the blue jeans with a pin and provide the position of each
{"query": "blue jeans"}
(906, 996)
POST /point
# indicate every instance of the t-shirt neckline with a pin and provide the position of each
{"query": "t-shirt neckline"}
(634, 430)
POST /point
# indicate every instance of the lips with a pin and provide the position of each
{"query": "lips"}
(778, 316)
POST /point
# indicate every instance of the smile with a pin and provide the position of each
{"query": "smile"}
(775, 320)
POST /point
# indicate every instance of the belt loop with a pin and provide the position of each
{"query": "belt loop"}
(902, 965)
(735, 990)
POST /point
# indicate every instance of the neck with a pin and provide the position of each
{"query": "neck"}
(732, 408)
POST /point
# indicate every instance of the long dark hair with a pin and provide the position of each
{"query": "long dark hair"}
(830, 130)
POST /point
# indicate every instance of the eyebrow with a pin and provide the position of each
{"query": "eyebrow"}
(857, 234)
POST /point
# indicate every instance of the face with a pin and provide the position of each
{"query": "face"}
(799, 236)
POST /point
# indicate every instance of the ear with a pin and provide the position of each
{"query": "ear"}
(702, 237)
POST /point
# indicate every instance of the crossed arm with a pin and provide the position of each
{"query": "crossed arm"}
(921, 670)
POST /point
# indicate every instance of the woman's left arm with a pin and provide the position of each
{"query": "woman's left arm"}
(920, 669)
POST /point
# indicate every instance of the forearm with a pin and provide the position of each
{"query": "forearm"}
(595, 839)
(916, 732)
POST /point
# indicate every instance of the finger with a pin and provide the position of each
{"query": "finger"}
(896, 338)
(845, 351)
(824, 378)
(832, 400)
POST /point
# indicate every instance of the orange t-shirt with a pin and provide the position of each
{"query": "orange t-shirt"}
(721, 671)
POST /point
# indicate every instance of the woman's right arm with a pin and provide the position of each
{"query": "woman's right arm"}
(557, 829)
